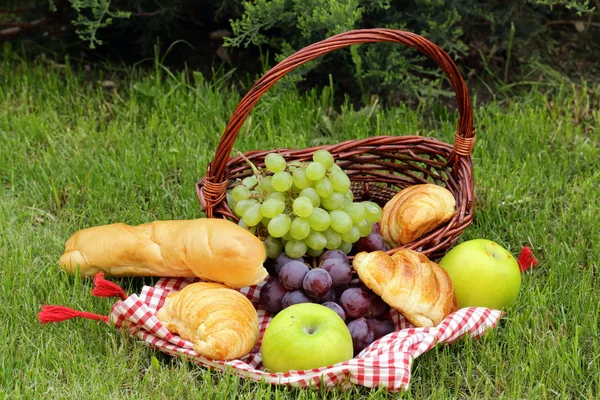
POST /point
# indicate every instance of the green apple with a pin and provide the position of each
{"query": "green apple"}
(305, 336)
(483, 274)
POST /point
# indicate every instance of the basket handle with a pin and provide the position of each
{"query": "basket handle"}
(465, 135)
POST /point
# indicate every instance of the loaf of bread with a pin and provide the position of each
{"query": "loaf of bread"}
(221, 322)
(410, 283)
(415, 211)
(215, 250)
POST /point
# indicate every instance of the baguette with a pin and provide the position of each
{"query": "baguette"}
(215, 250)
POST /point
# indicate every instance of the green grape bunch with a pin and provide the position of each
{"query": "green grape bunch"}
(302, 207)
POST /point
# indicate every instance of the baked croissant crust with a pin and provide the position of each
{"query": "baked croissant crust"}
(221, 322)
(415, 211)
(410, 283)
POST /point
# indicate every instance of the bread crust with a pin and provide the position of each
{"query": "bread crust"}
(415, 211)
(410, 283)
(221, 323)
(212, 249)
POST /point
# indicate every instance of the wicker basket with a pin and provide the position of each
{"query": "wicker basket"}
(378, 166)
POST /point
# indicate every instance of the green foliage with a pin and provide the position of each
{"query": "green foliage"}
(311, 19)
(260, 15)
(496, 37)
(388, 69)
(577, 5)
(93, 15)
(382, 69)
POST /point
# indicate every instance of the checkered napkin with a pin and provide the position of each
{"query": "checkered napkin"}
(386, 362)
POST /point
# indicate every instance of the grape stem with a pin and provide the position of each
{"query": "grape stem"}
(296, 164)
(261, 233)
(254, 169)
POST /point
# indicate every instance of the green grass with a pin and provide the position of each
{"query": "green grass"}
(73, 155)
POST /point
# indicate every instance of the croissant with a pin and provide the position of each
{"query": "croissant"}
(409, 282)
(221, 322)
(415, 211)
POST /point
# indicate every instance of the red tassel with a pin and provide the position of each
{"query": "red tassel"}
(61, 313)
(105, 288)
(527, 260)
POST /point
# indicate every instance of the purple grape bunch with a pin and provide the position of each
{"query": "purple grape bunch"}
(372, 242)
(330, 284)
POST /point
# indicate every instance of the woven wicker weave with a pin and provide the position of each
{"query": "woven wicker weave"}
(378, 166)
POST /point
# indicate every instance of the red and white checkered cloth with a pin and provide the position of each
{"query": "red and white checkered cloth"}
(386, 362)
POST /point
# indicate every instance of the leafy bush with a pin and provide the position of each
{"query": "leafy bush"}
(497, 37)
(479, 29)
